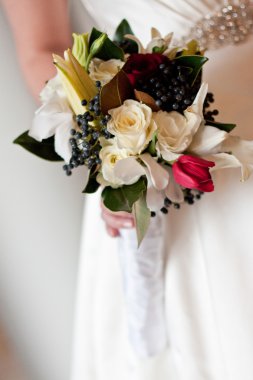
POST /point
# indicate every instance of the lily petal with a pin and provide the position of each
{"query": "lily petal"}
(197, 105)
(158, 175)
(173, 191)
(62, 134)
(207, 140)
(243, 151)
(49, 117)
(128, 170)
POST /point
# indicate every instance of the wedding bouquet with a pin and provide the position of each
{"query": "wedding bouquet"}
(139, 121)
(136, 118)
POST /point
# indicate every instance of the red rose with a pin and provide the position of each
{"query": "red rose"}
(193, 173)
(140, 66)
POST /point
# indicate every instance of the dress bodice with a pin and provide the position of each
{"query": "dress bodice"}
(179, 16)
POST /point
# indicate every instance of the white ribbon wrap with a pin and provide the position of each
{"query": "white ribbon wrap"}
(143, 280)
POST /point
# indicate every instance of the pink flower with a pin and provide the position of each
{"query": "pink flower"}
(193, 173)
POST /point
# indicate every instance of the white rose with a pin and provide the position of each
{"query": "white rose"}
(110, 156)
(132, 125)
(174, 133)
(104, 71)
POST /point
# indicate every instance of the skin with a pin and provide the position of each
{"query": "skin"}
(41, 28)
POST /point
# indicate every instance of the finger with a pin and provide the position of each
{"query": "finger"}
(113, 232)
(117, 222)
(120, 214)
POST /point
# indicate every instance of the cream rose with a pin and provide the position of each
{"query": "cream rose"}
(132, 125)
(104, 71)
(174, 132)
(110, 156)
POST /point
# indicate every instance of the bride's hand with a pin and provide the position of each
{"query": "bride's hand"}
(114, 221)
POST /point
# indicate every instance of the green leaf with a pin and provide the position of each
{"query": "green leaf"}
(122, 29)
(123, 198)
(109, 50)
(142, 217)
(43, 149)
(152, 145)
(91, 186)
(195, 62)
(227, 127)
(158, 49)
(114, 93)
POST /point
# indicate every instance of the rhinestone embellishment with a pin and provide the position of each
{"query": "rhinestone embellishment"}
(231, 24)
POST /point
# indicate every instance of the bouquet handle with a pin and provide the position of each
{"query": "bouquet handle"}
(143, 283)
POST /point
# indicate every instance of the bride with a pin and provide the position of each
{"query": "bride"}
(208, 279)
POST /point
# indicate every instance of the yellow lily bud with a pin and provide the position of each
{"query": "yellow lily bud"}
(75, 80)
(80, 47)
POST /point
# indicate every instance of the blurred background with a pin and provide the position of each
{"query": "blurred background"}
(40, 221)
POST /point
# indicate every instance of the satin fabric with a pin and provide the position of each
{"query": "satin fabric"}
(208, 273)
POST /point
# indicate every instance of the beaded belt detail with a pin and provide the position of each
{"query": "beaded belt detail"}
(231, 24)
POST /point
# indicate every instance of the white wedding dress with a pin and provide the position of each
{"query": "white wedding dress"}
(209, 284)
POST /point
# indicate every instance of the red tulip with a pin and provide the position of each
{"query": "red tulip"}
(193, 173)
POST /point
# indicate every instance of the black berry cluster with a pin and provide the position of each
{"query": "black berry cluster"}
(84, 139)
(190, 196)
(171, 87)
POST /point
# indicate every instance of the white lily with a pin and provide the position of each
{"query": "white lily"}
(54, 117)
(75, 80)
(129, 167)
(157, 41)
(241, 156)
(207, 141)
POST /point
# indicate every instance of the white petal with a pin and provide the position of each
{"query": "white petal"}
(158, 175)
(243, 151)
(155, 33)
(49, 117)
(128, 170)
(173, 191)
(154, 199)
(207, 140)
(62, 135)
(197, 105)
(224, 161)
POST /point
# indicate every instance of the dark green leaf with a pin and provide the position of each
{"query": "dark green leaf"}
(127, 45)
(109, 50)
(123, 198)
(195, 62)
(122, 29)
(227, 127)
(142, 217)
(115, 92)
(44, 149)
(91, 186)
